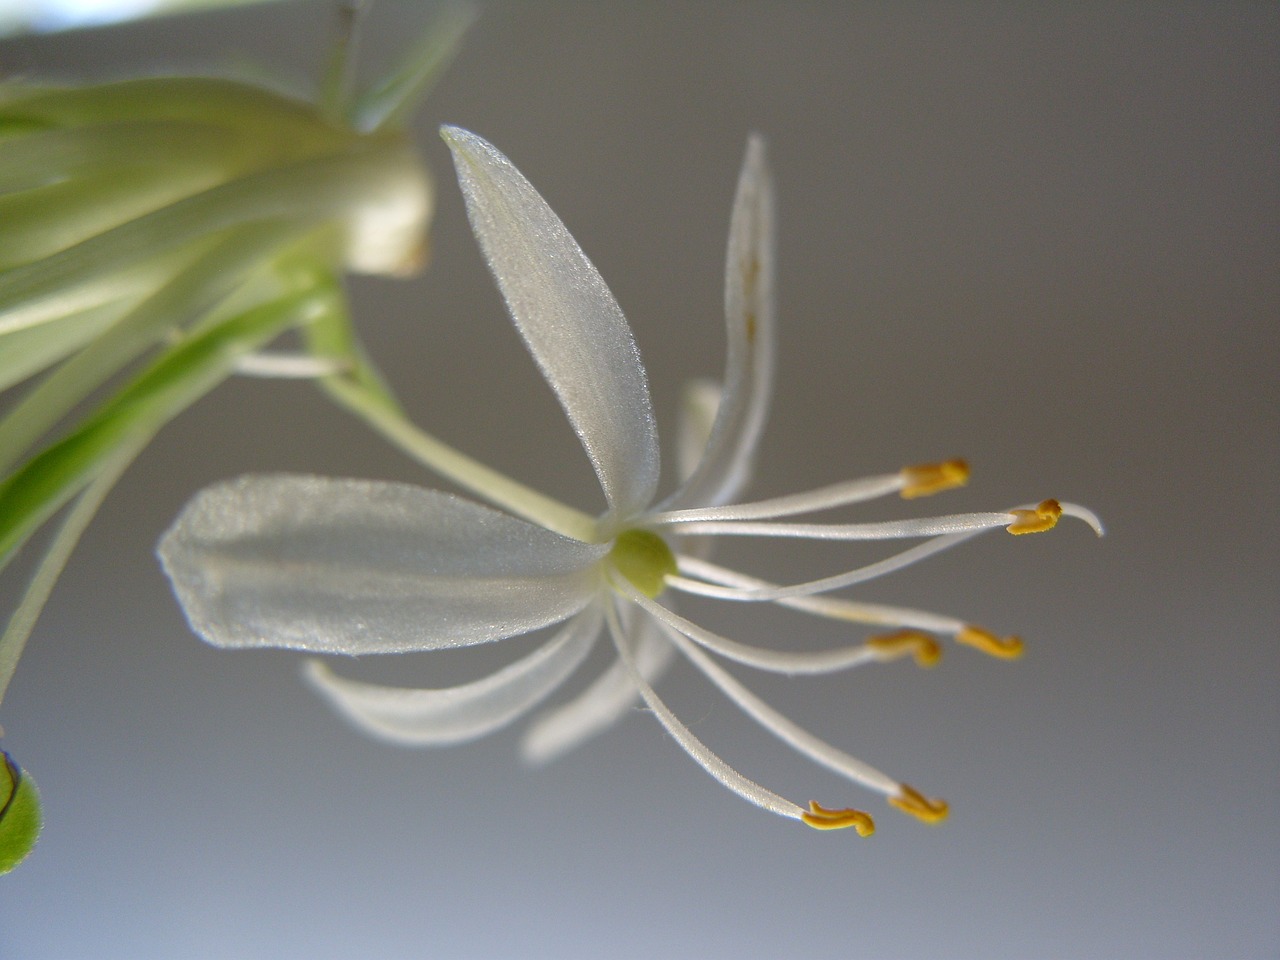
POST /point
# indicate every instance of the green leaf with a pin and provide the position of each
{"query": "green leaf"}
(388, 103)
(179, 377)
(19, 813)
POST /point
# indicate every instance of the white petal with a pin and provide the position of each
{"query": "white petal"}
(457, 714)
(749, 321)
(699, 404)
(609, 698)
(352, 566)
(569, 320)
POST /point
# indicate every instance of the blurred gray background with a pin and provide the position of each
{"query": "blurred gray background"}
(1043, 237)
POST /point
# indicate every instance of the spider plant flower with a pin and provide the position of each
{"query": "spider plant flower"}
(355, 567)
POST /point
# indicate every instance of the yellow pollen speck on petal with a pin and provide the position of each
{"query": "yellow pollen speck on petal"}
(644, 559)
(915, 643)
(821, 818)
(925, 479)
(1006, 648)
(912, 801)
(1043, 517)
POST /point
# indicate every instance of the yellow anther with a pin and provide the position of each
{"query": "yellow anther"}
(914, 643)
(1006, 648)
(912, 801)
(1043, 517)
(925, 479)
(820, 818)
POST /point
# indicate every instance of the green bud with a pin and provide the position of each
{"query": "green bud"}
(19, 814)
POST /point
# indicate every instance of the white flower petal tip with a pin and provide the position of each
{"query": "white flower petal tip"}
(341, 566)
(570, 322)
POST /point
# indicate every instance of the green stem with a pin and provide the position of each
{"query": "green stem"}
(183, 374)
(471, 474)
(14, 639)
(361, 391)
(192, 291)
(91, 460)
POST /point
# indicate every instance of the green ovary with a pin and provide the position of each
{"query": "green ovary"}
(644, 559)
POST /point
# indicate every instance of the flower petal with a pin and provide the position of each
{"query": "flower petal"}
(352, 566)
(568, 318)
(609, 698)
(467, 712)
(699, 404)
(749, 320)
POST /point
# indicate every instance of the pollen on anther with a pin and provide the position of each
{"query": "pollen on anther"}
(915, 643)
(912, 801)
(1006, 648)
(926, 479)
(823, 818)
(1043, 517)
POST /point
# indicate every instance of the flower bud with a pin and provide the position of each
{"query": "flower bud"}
(19, 813)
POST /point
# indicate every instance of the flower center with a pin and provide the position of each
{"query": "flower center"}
(644, 559)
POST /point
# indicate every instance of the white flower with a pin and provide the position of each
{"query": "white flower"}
(350, 566)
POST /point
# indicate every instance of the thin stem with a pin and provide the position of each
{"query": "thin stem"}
(784, 727)
(14, 639)
(363, 391)
(888, 530)
(824, 498)
(728, 584)
(695, 748)
(761, 658)
(470, 474)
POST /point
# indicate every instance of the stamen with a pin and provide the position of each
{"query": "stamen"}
(914, 643)
(1043, 517)
(761, 658)
(730, 585)
(824, 498)
(822, 818)
(912, 801)
(1006, 648)
(926, 479)
(860, 575)
(887, 530)
(695, 748)
(783, 727)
